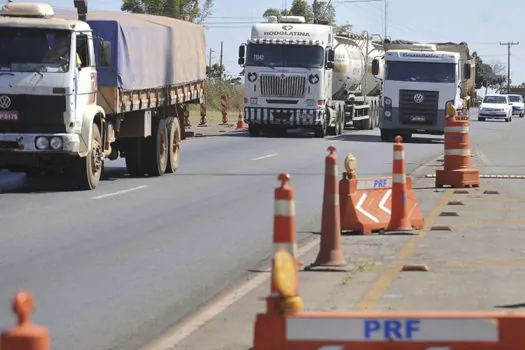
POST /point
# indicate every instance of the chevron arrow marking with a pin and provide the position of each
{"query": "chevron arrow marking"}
(362, 211)
(383, 201)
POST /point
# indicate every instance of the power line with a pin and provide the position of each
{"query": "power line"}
(509, 46)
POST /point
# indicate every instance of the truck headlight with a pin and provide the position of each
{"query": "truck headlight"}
(42, 142)
(309, 103)
(388, 101)
(388, 114)
(56, 143)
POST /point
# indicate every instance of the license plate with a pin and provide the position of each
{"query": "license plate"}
(9, 115)
(417, 118)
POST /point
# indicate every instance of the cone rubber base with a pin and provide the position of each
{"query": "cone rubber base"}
(458, 178)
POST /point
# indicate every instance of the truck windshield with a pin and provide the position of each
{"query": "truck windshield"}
(268, 55)
(514, 98)
(34, 50)
(427, 72)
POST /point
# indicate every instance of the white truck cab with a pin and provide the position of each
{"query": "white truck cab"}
(420, 81)
(48, 86)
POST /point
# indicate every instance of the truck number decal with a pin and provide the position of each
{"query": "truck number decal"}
(258, 57)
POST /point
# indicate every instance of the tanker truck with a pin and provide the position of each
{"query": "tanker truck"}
(307, 76)
(419, 82)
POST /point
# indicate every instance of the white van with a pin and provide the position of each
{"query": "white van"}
(518, 107)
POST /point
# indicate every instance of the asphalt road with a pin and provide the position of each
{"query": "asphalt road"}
(114, 267)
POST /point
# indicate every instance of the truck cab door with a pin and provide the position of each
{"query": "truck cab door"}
(86, 73)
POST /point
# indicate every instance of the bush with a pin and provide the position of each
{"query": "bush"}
(213, 89)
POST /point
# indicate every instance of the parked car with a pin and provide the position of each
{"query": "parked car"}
(518, 107)
(495, 106)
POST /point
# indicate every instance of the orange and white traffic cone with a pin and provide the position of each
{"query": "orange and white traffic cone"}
(399, 219)
(330, 252)
(240, 121)
(25, 335)
(284, 230)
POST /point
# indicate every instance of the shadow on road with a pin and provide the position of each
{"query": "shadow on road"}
(354, 137)
(510, 306)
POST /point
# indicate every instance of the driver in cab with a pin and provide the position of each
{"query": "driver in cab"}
(60, 52)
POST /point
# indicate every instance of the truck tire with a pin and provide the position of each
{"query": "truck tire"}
(254, 130)
(367, 123)
(320, 130)
(386, 136)
(174, 145)
(157, 149)
(88, 170)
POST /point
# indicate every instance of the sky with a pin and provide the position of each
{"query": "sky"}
(483, 24)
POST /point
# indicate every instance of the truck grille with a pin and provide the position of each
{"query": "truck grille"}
(283, 85)
(36, 114)
(425, 112)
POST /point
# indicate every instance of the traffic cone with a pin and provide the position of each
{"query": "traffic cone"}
(25, 335)
(284, 231)
(240, 122)
(399, 217)
(330, 252)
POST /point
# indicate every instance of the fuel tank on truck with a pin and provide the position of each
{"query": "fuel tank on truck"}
(352, 65)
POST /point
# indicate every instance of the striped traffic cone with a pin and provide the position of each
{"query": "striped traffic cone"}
(399, 217)
(284, 231)
(240, 121)
(330, 252)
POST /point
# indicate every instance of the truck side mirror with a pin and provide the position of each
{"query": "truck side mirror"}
(375, 66)
(330, 65)
(331, 55)
(467, 70)
(104, 54)
(242, 53)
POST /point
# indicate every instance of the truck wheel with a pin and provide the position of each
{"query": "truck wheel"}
(320, 130)
(254, 130)
(386, 136)
(134, 159)
(157, 149)
(174, 145)
(88, 170)
(367, 123)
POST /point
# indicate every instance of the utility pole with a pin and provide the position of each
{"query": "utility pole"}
(386, 16)
(315, 9)
(221, 58)
(509, 45)
(209, 64)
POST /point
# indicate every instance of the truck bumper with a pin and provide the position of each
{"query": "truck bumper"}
(27, 143)
(286, 117)
(398, 121)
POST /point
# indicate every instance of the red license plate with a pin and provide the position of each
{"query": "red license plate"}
(417, 118)
(9, 115)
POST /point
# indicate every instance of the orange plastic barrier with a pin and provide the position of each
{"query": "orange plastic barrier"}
(366, 204)
(390, 331)
(25, 335)
(289, 328)
(457, 170)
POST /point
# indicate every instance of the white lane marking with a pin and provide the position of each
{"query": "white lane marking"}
(120, 192)
(383, 201)
(362, 211)
(178, 333)
(266, 156)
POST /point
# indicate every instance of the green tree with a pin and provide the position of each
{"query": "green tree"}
(489, 75)
(319, 9)
(216, 71)
(188, 10)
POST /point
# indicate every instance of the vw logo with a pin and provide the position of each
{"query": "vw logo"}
(5, 102)
(418, 98)
(287, 27)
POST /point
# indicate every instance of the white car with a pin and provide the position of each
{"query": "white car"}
(495, 107)
(518, 107)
